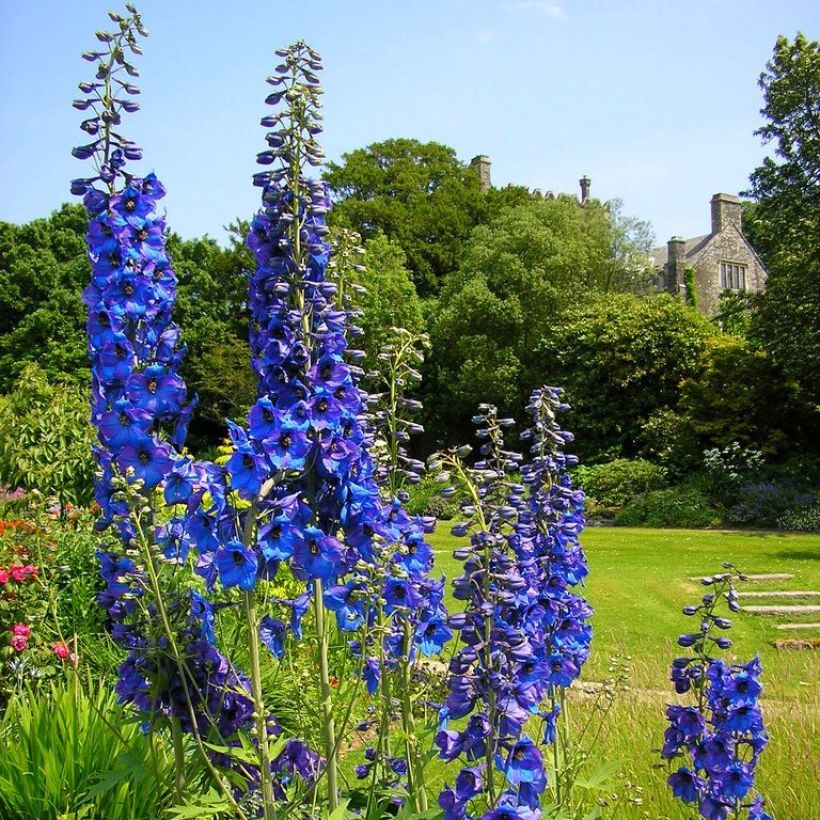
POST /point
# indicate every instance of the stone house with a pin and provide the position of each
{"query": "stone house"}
(713, 263)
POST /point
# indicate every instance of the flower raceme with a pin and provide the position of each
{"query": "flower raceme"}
(524, 631)
(299, 488)
(716, 743)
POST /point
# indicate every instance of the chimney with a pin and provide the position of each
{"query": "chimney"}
(674, 272)
(585, 183)
(481, 163)
(726, 211)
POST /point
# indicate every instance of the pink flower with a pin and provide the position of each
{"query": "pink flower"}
(4, 576)
(61, 650)
(21, 630)
(19, 637)
(18, 573)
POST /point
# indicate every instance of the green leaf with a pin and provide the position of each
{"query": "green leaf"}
(600, 777)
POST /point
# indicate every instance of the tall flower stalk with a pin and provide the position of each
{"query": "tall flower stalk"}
(524, 631)
(717, 742)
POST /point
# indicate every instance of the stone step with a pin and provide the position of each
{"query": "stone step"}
(755, 579)
(807, 625)
(781, 593)
(784, 609)
(796, 643)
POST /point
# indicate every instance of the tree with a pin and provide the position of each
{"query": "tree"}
(420, 196)
(621, 360)
(787, 213)
(788, 188)
(516, 276)
(740, 396)
(390, 299)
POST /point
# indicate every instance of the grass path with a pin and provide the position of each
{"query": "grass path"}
(639, 581)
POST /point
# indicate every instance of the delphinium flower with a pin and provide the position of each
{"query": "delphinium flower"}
(713, 747)
(173, 672)
(553, 563)
(305, 464)
(524, 630)
(411, 620)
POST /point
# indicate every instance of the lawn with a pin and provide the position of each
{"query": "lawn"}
(638, 583)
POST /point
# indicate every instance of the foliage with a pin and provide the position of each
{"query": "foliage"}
(786, 321)
(420, 196)
(765, 504)
(45, 437)
(73, 752)
(617, 482)
(734, 313)
(787, 187)
(390, 299)
(805, 518)
(787, 213)
(516, 274)
(42, 319)
(631, 269)
(740, 396)
(674, 507)
(691, 287)
(667, 438)
(621, 360)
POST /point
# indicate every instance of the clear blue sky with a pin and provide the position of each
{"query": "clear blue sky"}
(656, 101)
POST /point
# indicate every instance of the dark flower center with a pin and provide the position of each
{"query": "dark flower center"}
(128, 290)
(247, 460)
(238, 558)
(142, 235)
(125, 419)
(742, 686)
(152, 385)
(314, 546)
(321, 405)
(130, 203)
(267, 415)
(518, 754)
(144, 456)
(284, 441)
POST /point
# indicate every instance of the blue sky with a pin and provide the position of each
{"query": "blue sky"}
(656, 101)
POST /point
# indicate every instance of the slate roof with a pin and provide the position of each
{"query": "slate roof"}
(692, 248)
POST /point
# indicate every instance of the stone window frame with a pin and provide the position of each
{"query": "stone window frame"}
(733, 275)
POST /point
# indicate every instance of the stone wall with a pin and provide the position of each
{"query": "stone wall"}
(727, 246)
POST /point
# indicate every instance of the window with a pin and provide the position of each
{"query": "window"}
(732, 276)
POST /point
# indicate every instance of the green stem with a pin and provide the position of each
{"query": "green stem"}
(259, 708)
(415, 768)
(179, 761)
(327, 702)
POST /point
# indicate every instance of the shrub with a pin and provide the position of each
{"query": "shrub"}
(673, 507)
(801, 519)
(618, 482)
(763, 504)
(424, 499)
(45, 438)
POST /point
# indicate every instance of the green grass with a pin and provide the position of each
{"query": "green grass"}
(638, 583)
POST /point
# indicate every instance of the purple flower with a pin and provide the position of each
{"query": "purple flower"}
(237, 565)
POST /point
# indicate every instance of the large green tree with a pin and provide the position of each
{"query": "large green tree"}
(787, 185)
(621, 359)
(786, 216)
(420, 196)
(517, 275)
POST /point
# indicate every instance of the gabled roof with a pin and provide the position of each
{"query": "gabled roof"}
(693, 247)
